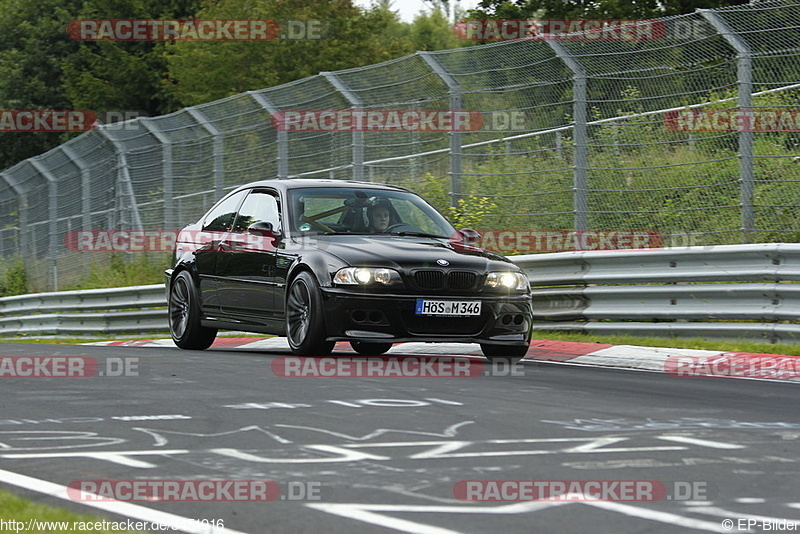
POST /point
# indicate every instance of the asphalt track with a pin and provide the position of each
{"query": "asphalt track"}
(384, 454)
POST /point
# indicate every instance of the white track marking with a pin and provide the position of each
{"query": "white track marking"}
(702, 442)
(663, 517)
(134, 511)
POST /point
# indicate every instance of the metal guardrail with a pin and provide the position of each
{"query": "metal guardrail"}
(136, 309)
(729, 291)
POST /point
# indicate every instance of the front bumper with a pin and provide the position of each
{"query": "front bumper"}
(353, 316)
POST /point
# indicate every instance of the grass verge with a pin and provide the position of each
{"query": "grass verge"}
(673, 343)
(45, 519)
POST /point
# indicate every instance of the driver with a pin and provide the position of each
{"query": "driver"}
(378, 216)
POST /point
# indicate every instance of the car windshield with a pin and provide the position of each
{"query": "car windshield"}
(348, 210)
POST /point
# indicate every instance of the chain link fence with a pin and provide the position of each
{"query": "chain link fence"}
(575, 136)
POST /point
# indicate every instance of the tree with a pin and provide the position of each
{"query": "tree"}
(124, 75)
(33, 42)
(592, 9)
(432, 31)
(205, 71)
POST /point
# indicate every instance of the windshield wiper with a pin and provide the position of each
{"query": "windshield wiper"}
(422, 234)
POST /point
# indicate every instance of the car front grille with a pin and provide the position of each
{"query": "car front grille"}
(461, 280)
(429, 280)
(437, 280)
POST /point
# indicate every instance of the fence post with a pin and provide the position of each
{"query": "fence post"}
(580, 152)
(744, 75)
(358, 137)
(22, 204)
(86, 194)
(454, 88)
(86, 186)
(166, 161)
(283, 135)
(124, 176)
(52, 208)
(219, 162)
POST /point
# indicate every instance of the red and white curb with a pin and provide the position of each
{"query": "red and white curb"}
(684, 363)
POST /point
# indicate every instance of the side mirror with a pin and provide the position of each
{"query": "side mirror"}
(471, 237)
(264, 229)
(466, 239)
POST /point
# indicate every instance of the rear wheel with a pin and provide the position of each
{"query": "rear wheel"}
(305, 324)
(184, 315)
(504, 353)
(370, 349)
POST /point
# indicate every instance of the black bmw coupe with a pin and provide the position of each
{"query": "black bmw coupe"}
(320, 261)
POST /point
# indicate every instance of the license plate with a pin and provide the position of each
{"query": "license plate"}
(454, 308)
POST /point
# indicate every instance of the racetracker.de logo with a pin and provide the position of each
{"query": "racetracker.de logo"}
(559, 30)
(161, 240)
(732, 120)
(41, 120)
(174, 490)
(377, 367)
(531, 241)
(559, 490)
(403, 120)
(67, 367)
(173, 30)
(582, 490)
(765, 366)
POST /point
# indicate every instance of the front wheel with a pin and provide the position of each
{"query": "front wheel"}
(370, 349)
(184, 315)
(504, 353)
(305, 324)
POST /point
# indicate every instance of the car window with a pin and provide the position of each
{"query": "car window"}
(346, 210)
(259, 206)
(411, 214)
(220, 218)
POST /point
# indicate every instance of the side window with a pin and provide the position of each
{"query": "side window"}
(220, 218)
(259, 206)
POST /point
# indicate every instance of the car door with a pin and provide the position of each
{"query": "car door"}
(213, 227)
(247, 256)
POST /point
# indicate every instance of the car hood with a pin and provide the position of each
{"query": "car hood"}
(407, 252)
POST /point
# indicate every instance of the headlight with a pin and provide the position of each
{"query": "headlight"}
(507, 280)
(361, 276)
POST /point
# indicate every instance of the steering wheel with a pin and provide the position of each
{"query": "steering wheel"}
(399, 226)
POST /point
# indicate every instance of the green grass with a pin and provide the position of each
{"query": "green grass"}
(56, 340)
(14, 508)
(674, 343)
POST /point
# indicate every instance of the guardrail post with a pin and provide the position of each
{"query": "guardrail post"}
(283, 135)
(580, 151)
(744, 74)
(124, 176)
(454, 88)
(22, 205)
(52, 208)
(358, 137)
(166, 162)
(219, 154)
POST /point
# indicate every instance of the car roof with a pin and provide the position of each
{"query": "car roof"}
(305, 183)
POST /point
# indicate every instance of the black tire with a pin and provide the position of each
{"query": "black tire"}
(504, 353)
(370, 349)
(184, 315)
(305, 323)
